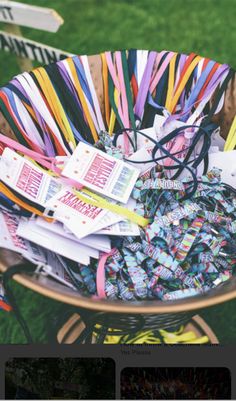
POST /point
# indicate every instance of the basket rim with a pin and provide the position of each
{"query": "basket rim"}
(140, 307)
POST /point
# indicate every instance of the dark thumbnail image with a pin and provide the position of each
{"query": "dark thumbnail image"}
(60, 378)
(175, 383)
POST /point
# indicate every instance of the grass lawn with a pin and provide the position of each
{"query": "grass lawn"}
(206, 27)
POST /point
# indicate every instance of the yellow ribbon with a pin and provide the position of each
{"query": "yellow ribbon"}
(98, 201)
(171, 82)
(113, 116)
(55, 104)
(183, 83)
(105, 83)
(80, 92)
(231, 138)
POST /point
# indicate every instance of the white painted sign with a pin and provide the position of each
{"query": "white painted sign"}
(27, 48)
(43, 18)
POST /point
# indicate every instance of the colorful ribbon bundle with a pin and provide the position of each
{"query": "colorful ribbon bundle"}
(142, 213)
(4, 305)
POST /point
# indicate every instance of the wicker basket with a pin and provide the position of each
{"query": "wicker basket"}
(155, 314)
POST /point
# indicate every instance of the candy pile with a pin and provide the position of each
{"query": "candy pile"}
(143, 213)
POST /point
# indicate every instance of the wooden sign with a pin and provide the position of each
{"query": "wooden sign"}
(43, 18)
(26, 48)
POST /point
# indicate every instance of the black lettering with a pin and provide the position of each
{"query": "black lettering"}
(50, 56)
(6, 12)
(20, 48)
(42, 55)
(33, 48)
(4, 44)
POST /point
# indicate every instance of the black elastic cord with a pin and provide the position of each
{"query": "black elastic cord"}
(180, 165)
(26, 267)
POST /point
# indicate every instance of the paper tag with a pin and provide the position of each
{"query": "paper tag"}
(56, 269)
(144, 154)
(217, 140)
(101, 243)
(9, 238)
(123, 228)
(225, 161)
(78, 216)
(163, 129)
(26, 178)
(61, 245)
(101, 172)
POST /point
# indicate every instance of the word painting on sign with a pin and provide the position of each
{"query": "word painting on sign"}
(26, 48)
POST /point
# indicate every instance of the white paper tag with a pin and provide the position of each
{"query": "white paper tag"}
(56, 269)
(61, 245)
(143, 141)
(217, 140)
(79, 217)
(123, 228)
(163, 129)
(143, 154)
(9, 238)
(101, 243)
(112, 219)
(101, 172)
(226, 161)
(26, 178)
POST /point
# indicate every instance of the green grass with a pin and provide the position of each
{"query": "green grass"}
(206, 27)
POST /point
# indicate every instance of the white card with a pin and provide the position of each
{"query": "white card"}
(143, 154)
(163, 129)
(101, 172)
(226, 161)
(55, 269)
(79, 217)
(26, 178)
(143, 141)
(101, 243)
(109, 219)
(123, 228)
(61, 245)
(217, 140)
(9, 238)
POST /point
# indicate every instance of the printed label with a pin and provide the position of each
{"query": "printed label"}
(79, 217)
(101, 172)
(178, 214)
(26, 178)
(161, 183)
(55, 268)
(9, 238)
(124, 228)
(187, 292)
